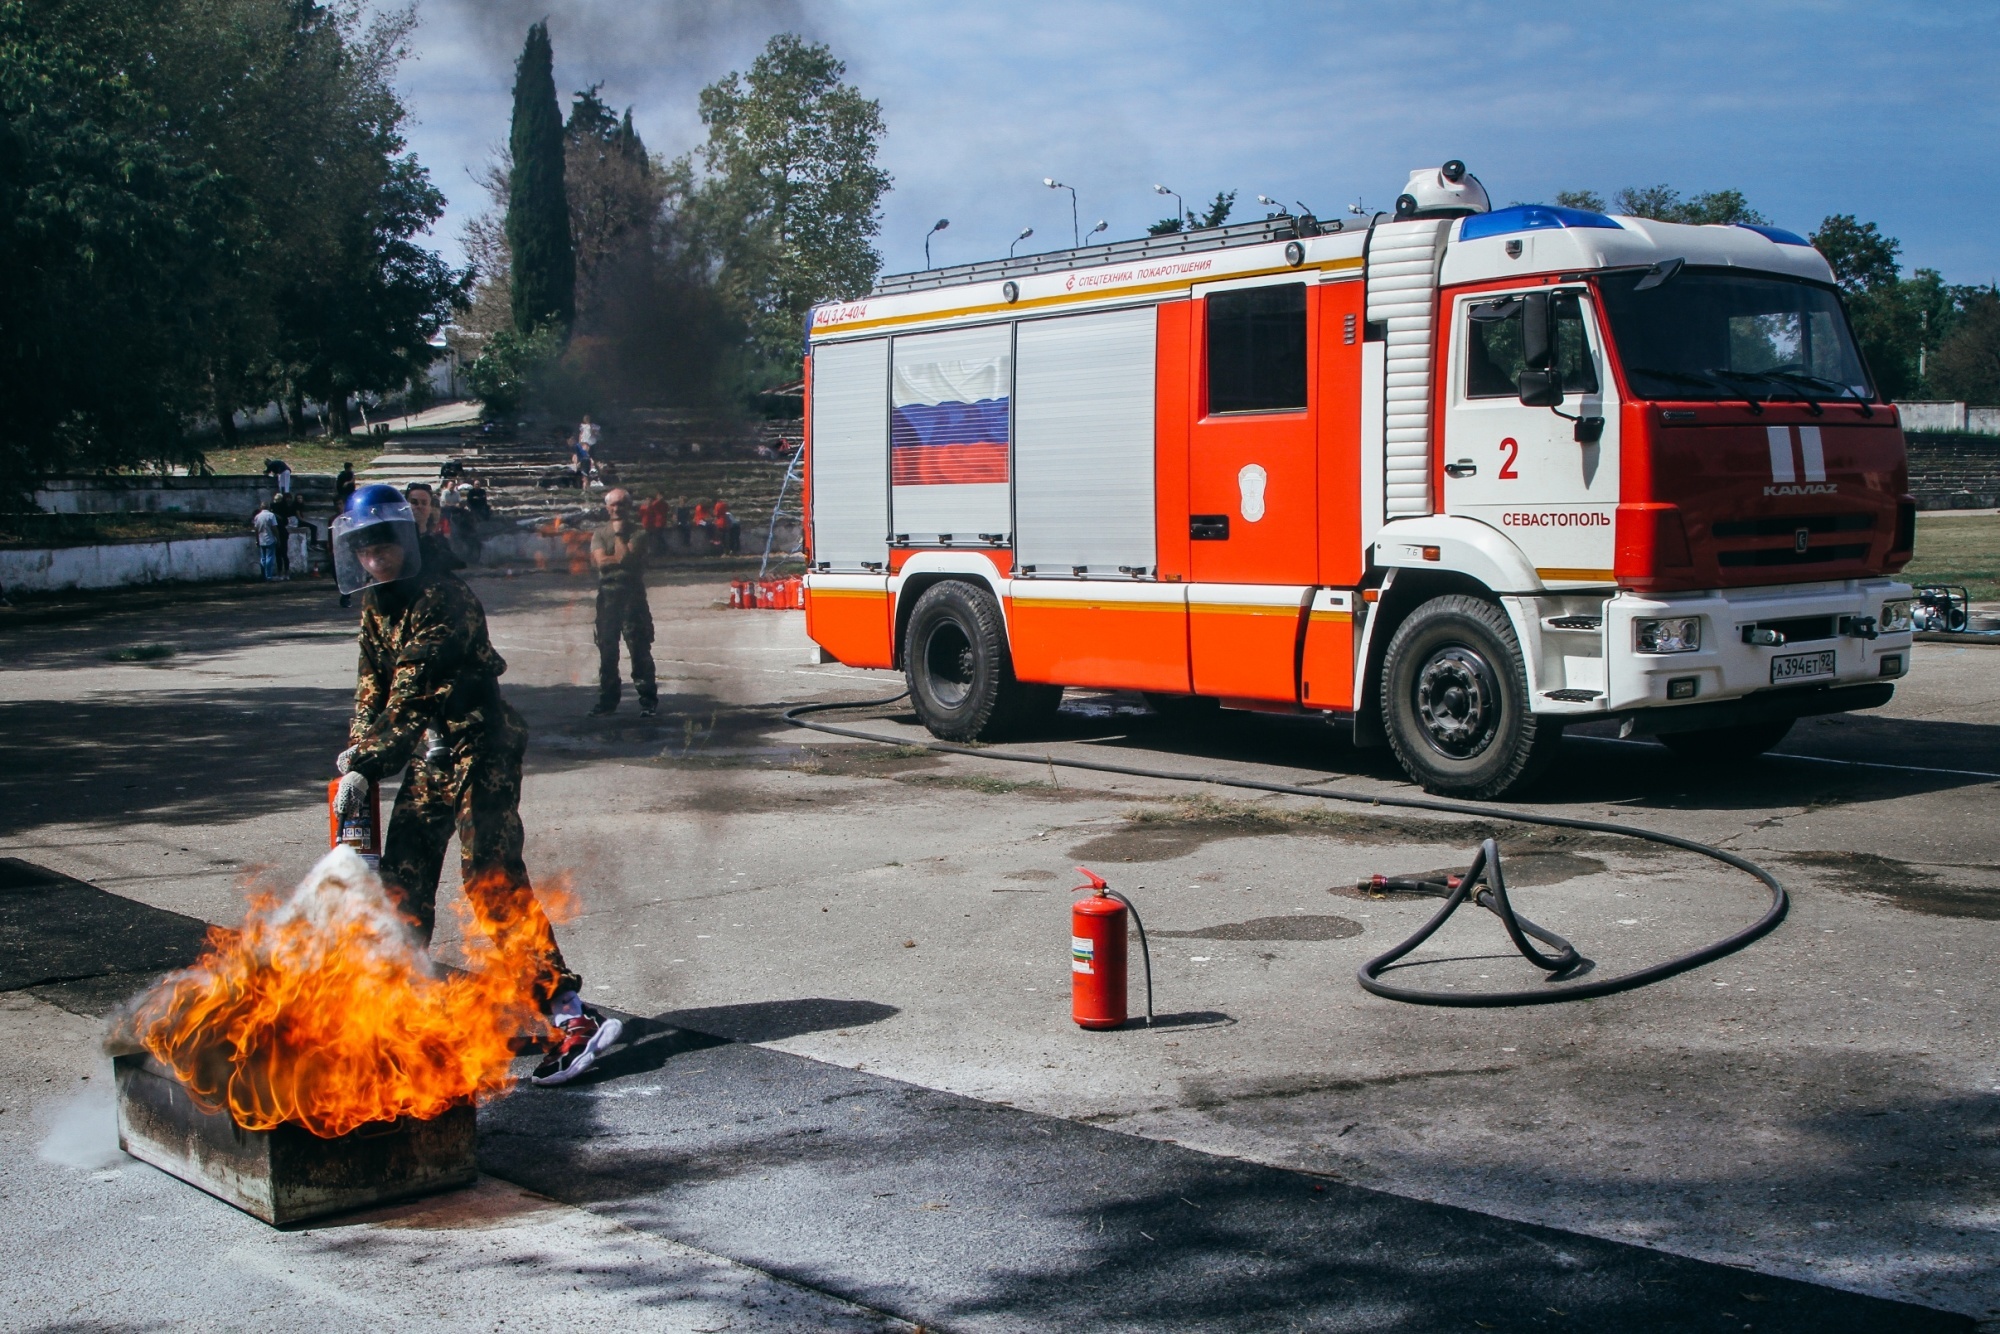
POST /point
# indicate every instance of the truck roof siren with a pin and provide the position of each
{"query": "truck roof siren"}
(1449, 191)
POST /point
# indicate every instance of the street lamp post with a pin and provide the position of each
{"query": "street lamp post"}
(1101, 226)
(936, 227)
(1283, 212)
(1055, 184)
(1026, 232)
(1180, 205)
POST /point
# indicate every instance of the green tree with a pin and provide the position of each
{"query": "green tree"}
(792, 203)
(1862, 258)
(1663, 203)
(1966, 364)
(364, 323)
(538, 238)
(1217, 214)
(615, 197)
(109, 224)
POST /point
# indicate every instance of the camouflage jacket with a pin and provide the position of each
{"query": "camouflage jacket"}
(426, 662)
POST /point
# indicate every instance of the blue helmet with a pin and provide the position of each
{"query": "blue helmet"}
(376, 516)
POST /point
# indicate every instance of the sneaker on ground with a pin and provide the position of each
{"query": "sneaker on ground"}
(648, 710)
(600, 709)
(584, 1040)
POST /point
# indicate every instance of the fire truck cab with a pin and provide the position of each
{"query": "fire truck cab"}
(1454, 479)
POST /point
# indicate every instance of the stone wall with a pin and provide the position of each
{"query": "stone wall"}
(235, 497)
(123, 564)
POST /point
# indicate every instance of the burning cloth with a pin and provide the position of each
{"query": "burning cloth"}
(323, 1009)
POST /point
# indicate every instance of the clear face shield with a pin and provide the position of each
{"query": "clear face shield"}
(375, 544)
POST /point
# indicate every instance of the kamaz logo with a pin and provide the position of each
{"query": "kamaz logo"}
(1804, 489)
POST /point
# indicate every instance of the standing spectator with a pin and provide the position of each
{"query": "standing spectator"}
(266, 525)
(684, 520)
(460, 528)
(281, 470)
(343, 491)
(433, 542)
(653, 518)
(286, 506)
(587, 436)
(702, 545)
(620, 557)
(727, 528)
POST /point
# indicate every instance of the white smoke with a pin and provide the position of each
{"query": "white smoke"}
(83, 1129)
(341, 892)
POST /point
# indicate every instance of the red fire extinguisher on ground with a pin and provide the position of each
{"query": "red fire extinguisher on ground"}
(362, 830)
(1097, 955)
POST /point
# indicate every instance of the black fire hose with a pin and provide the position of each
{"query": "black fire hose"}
(1483, 883)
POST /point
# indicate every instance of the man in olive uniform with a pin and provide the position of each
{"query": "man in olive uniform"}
(618, 550)
(427, 666)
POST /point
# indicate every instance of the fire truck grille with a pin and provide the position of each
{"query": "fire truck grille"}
(1785, 526)
(1793, 556)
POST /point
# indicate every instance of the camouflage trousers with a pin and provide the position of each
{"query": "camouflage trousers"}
(622, 611)
(479, 798)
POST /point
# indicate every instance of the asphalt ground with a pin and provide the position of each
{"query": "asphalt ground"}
(904, 1123)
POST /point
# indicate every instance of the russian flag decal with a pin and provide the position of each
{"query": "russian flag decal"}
(948, 422)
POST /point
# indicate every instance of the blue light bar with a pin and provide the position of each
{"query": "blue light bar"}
(1530, 218)
(1778, 234)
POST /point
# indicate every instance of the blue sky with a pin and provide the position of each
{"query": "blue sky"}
(1887, 111)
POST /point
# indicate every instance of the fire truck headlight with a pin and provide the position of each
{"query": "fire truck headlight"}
(1895, 617)
(1671, 634)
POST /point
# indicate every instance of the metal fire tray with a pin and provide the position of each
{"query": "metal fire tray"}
(288, 1174)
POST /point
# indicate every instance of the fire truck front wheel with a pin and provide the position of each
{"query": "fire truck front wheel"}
(960, 673)
(1455, 702)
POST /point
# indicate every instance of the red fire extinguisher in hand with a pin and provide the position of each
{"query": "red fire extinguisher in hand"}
(361, 829)
(1097, 955)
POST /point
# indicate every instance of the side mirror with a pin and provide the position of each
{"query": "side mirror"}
(1538, 343)
(1540, 389)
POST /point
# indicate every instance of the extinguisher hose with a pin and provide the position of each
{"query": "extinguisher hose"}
(1518, 928)
(1145, 953)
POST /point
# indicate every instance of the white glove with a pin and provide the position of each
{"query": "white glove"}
(345, 760)
(351, 797)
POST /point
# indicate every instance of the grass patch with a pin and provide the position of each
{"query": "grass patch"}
(1958, 549)
(141, 653)
(306, 456)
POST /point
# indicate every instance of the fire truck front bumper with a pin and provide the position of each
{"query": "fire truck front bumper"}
(1681, 662)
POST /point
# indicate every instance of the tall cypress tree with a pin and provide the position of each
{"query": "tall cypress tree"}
(544, 283)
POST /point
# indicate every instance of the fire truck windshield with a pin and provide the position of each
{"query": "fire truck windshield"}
(1721, 334)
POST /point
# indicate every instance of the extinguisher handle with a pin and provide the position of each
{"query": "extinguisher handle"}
(1145, 952)
(1092, 880)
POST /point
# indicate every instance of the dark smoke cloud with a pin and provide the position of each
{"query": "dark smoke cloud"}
(647, 51)
(651, 55)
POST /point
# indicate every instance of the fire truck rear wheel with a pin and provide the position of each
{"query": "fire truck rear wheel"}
(960, 673)
(1455, 702)
(1721, 744)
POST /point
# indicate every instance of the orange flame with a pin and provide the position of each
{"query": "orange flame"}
(323, 1010)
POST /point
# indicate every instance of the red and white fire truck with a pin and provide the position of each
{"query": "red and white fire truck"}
(1454, 478)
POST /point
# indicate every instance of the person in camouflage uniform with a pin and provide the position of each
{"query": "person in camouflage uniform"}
(618, 550)
(428, 667)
